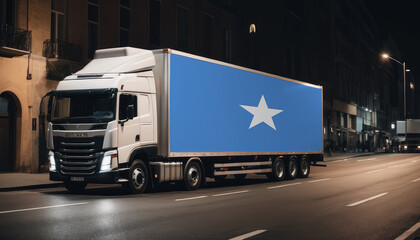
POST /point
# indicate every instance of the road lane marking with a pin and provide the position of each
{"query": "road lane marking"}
(410, 231)
(398, 165)
(374, 171)
(367, 159)
(342, 160)
(367, 200)
(418, 179)
(248, 235)
(320, 180)
(191, 198)
(285, 185)
(46, 207)
(230, 193)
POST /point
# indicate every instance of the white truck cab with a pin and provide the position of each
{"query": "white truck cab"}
(100, 115)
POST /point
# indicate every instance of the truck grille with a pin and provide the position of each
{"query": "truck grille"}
(78, 156)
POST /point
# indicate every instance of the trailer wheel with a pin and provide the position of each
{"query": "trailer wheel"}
(304, 167)
(138, 177)
(278, 170)
(291, 168)
(75, 187)
(192, 176)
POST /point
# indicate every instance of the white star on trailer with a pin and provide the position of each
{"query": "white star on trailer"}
(262, 114)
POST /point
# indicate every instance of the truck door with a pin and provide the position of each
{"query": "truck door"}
(146, 120)
(128, 127)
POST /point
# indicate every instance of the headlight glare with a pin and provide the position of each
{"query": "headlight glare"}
(52, 161)
(110, 161)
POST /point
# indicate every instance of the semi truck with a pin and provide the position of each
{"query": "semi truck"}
(143, 117)
(412, 142)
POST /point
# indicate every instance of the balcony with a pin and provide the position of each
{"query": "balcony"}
(63, 58)
(14, 41)
(62, 50)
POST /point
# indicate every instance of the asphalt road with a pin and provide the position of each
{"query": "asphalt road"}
(374, 197)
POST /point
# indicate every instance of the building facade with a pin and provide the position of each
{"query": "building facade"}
(335, 44)
(42, 41)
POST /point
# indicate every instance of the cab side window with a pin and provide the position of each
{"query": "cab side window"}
(127, 102)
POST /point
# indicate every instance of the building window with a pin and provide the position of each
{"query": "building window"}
(125, 22)
(93, 27)
(226, 44)
(154, 21)
(58, 20)
(7, 13)
(182, 28)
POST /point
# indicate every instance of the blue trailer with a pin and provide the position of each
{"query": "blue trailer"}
(173, 116)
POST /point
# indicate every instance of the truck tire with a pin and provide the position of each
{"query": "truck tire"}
(278, 170)
(291, 168)
(138, 178)
(304, 167)
(192, 176)
(75, 187)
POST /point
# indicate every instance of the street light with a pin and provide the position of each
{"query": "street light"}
(386, 56)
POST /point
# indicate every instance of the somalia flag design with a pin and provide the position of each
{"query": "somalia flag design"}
(219, 108)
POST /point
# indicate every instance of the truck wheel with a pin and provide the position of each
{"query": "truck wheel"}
(304, 167)
(291, 168)
(75, 187)
(278, 170)
(192, 176)
(138, 177)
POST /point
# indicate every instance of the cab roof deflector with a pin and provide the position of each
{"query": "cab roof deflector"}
(119, 60)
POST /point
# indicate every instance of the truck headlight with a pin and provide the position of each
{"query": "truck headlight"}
(418, 147)
(52, 161)
(405, 147)
(110, 161)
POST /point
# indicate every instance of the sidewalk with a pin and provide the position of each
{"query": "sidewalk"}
(25, 181)
(338, 156)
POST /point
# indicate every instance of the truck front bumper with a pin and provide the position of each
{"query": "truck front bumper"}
(104, 177)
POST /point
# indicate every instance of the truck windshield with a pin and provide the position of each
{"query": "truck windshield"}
(83, 106)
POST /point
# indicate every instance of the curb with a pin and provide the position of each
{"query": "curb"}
(355, 156)
(31, 187)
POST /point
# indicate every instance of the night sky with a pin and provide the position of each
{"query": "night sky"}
(401, 19)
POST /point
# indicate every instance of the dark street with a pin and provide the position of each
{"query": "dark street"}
(371, 197)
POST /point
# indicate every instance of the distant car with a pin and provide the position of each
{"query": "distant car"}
(410, 146)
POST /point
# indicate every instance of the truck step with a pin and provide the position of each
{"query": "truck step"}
(240, 164)
(221, 173)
